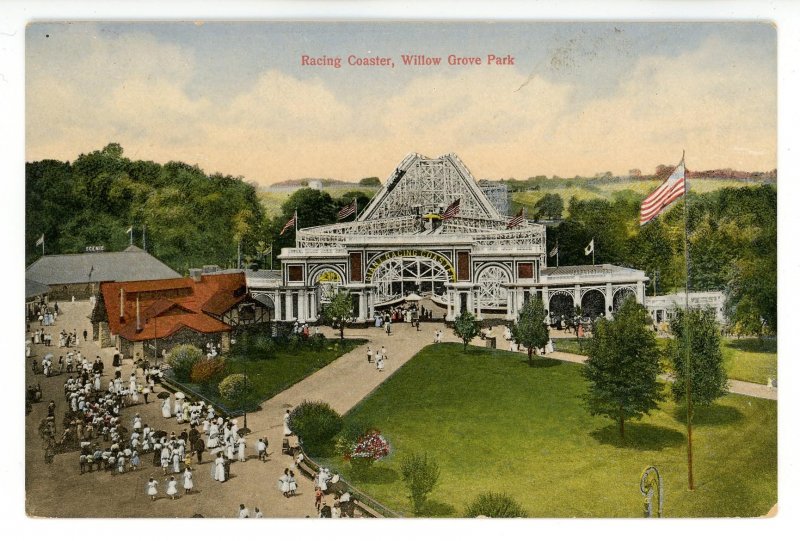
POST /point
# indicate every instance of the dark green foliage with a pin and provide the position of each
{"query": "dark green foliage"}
(706, 369)
(234, 388)
(549, 206)
(182, 359)
(530, 329)
(192, 218)
(495, 505)
(623, 366)
(370, 181)
(466, 327)
(420, 474)
(315, 423)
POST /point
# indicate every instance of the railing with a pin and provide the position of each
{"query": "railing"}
(171, 383)
(372, 508)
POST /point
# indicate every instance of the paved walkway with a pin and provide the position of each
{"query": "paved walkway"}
(342, 384)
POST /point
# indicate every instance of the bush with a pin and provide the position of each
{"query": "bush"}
(207, 369)
(495, 505)
(420, 475)
(182, 359)
(264, 346)
(317, 342)
(294, 342)
(315, 423)
(233, 388)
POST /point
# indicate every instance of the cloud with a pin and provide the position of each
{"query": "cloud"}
(716, 102)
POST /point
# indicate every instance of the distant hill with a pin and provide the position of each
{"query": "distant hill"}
(295, 184)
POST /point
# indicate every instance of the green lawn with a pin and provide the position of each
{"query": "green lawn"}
(746, 359)
(749, 359)
(495, 423)
(286, 367)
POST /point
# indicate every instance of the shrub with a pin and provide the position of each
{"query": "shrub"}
(420, 475)
(264, 346)
(294, 342)
(233, 388)
(182, 359)
(495, 505)
(207, 369)
(317, 342)
(315, 423)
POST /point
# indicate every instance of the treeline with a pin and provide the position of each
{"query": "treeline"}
(732, 245)
(191, 218)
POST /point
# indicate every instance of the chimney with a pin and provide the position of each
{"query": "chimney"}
(121, 304)
(138, 315)
(196, 274)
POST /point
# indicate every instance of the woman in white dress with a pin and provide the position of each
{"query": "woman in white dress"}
(292, 483)
(283, 483)
(151, 489)
(172, 487)
(176, 461)
(219, 468)
(286, 430)
(165, 458)
(97, 382)
(178, 411)
(188, 483)
(241, 447)
(166, 411)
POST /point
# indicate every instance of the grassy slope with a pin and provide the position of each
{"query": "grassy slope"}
(494, 423)
(272, 201)
(745, 359)
(583, 190)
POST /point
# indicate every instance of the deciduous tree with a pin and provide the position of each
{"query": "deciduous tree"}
(530, 329)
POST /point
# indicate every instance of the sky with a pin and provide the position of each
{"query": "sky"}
(579, 99)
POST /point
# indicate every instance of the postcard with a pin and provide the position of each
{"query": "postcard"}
(396, 269)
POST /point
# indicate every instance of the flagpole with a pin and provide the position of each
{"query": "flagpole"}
(144, 237)
(687, 326)
(131, 230)
(355, 214)
(556, 254)
(42, 244)
(295, 224)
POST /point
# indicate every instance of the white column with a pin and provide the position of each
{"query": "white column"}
(470, 307)
(520, 299)
(278, 311)
(577, 295)
(370, 304)
(546, 298)
(290, 305)
(302, 305)
(362, 306)
(457, 303)
(449, 304)
(640, 292)
(312, 309)
(478, 305)
(609, 300)
(509, 303)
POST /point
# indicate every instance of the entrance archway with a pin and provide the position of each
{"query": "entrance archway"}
(561, 305)
(620, 295)
(593, 303)
(399, 276)
(492, 291)
(327, 282)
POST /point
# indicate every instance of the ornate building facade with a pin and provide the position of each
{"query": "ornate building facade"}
(478, 260)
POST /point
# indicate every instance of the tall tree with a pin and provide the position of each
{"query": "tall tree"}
(705, 369)
(550, 206)
(530, 329)
(622, 368)
(466, 327)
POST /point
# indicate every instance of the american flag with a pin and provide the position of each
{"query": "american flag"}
(290, 223)
(672, 189)
(347, 211)
(517, 220)
(453, 210)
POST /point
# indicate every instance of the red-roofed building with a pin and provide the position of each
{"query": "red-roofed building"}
(153, 315)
